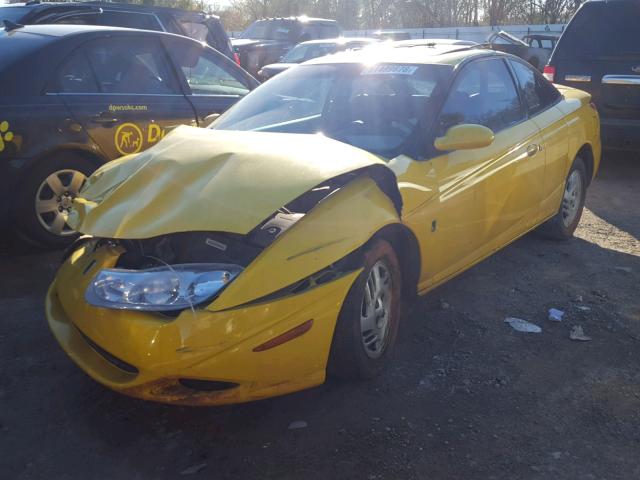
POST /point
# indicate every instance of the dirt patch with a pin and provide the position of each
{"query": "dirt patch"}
(466, 396)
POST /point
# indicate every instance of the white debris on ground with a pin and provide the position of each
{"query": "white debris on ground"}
(522, 325)
(192, 470)
(297, 424)
(555, 315)
(577, 334)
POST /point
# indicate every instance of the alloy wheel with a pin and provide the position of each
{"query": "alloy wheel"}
(376, 310)
(572, 198)
(54, 199)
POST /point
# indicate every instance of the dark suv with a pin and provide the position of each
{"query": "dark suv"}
(266, 41)
(197, 25)
(599, 52)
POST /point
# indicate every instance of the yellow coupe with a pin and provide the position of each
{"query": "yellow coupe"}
(248, 260)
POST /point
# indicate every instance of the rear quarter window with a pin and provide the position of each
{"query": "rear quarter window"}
(13, 14)
(143, 21)
(538, 93)
(16, 46)
(112, 18)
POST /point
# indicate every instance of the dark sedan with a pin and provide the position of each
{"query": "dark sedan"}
(74, 97)
(197, 25)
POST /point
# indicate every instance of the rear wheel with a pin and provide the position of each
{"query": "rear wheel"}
(367, 326)
(46, 197)
(564, 223)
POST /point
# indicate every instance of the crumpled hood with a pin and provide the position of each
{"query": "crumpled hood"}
(208, 180)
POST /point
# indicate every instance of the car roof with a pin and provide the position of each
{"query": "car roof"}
(417, 42)
(63, 30)
(148, 8)
(302, 18)
(438, 54)
(339, 40)
(37, 5)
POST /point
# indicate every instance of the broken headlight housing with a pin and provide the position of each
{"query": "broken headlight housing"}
(160, 289)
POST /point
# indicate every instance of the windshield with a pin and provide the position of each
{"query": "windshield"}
(303, 52)
(13, 14)
(383, 108)
(269, 30)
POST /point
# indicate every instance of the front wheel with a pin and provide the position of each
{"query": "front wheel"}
(46, 196)
(564, 223)
(367, 326)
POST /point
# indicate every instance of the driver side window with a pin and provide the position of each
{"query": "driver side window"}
(206, 74)
(135, 65)
(484, 93)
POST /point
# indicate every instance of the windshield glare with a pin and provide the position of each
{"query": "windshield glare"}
(381, 108)
(302, 53)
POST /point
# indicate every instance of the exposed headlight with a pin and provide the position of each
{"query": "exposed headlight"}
(169, 288)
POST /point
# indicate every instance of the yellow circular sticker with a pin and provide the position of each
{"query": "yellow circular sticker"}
(128, 139)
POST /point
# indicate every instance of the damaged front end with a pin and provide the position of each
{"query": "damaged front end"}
(219, 304)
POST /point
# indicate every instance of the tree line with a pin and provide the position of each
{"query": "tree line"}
(374, 14)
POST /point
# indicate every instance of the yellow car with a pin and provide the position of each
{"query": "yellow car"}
(248, 260)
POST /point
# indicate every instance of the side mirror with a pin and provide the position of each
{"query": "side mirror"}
(465, 137)
(209, 119)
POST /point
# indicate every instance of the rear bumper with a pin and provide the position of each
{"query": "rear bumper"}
(620, 134)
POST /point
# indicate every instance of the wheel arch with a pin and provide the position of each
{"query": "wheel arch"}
(407, 249)
(92, 156)
(585, 153)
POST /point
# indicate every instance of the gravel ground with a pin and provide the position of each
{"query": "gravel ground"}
(466, 396)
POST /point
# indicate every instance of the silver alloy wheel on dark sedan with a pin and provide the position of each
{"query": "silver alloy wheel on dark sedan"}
(54, 199)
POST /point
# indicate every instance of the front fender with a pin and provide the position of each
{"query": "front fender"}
(334, 228)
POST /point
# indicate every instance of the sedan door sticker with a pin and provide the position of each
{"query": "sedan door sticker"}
(128, 139)
(128, 108)
(5, 134)
(154, 133)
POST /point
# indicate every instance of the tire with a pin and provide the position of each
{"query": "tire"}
(564, 223)
(42, 225)
(349, 357)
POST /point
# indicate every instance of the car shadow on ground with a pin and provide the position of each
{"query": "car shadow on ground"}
(613, 196)
(465, 395)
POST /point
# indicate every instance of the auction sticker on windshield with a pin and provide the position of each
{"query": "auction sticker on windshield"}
(390, 70)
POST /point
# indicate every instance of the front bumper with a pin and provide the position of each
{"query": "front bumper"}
(197, 345)
(10, 178)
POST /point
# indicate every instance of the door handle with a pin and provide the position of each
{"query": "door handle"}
(104, 118)
(533, 149)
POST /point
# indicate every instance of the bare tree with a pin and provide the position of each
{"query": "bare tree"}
(372, 14)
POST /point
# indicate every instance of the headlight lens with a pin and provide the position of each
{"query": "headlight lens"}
(169, 288)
